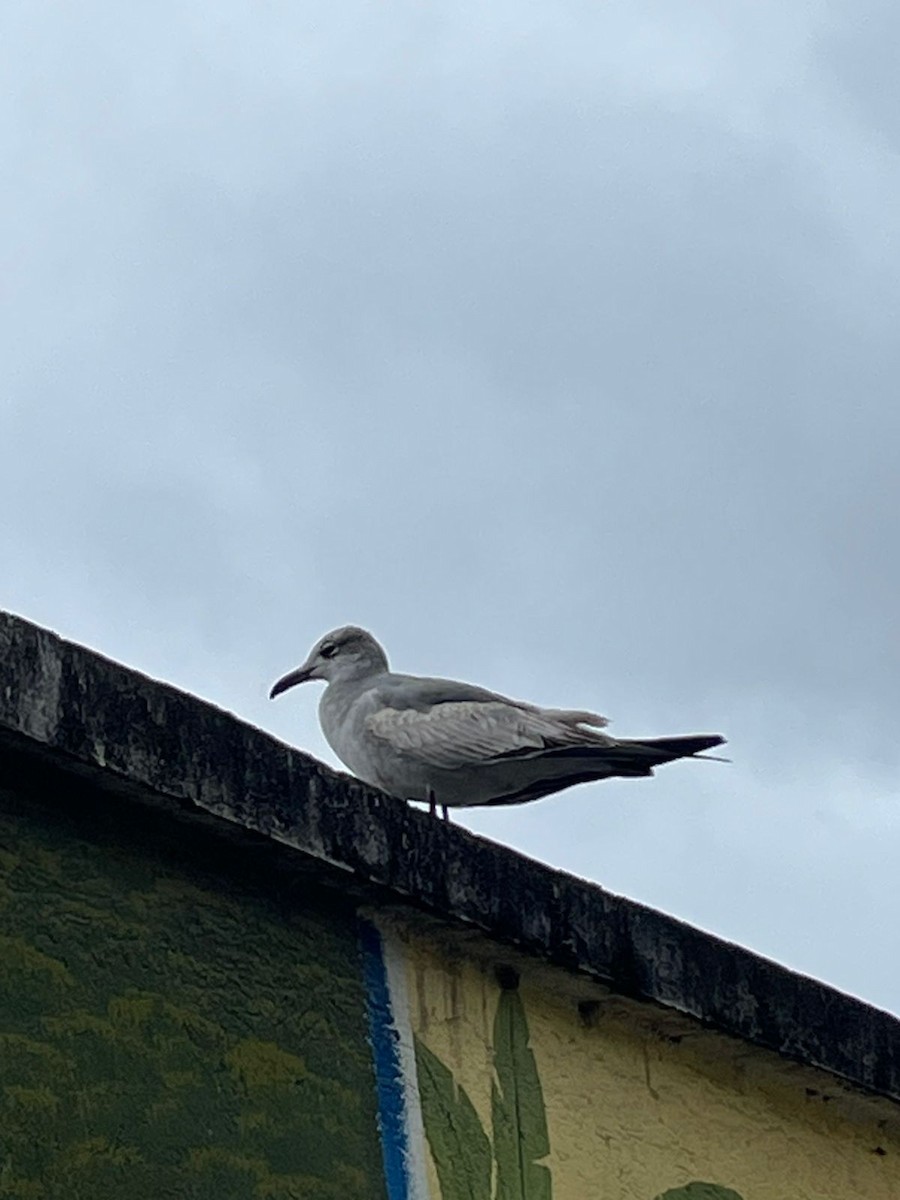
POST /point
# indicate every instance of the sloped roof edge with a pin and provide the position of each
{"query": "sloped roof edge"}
(86, 715)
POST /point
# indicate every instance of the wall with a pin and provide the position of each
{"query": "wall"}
(177, 1020)
(545, 1087)
(167, 1031)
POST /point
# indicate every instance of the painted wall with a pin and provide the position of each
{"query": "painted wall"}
(174, 1027)
(165, 1033)
(545, 1087)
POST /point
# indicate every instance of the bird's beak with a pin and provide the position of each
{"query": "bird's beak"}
(291, 680)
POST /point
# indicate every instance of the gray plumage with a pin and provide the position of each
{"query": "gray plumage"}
(457, 745)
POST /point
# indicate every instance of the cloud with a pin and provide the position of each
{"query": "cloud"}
(556, 346)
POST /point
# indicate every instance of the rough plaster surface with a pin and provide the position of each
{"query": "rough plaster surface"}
(634, 1113)
(132, 737)
(167, 1031)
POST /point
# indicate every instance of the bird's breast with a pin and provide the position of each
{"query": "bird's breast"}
(342, 716)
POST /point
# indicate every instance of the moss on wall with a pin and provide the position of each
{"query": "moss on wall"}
(166, 1033)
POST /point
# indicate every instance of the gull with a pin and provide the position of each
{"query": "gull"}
(455, 745)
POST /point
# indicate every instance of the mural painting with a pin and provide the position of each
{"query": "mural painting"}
(165, 1034)
(166, 1030)
(502, 1093)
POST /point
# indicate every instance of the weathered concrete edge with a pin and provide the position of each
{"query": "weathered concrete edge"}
(97, 718)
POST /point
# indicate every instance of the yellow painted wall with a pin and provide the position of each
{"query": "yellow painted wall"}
(638, 1102)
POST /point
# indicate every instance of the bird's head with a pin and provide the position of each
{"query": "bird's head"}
(344, 654)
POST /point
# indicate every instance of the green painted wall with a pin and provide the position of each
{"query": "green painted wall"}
(166, 1033)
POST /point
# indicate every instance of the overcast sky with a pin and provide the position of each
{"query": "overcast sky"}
(557, 344)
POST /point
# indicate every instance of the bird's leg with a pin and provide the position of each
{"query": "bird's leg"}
(433, 805)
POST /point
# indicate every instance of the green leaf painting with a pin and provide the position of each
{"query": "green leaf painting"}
(517, 1108)
(469, 1164)
(459, 1146)
(506, 1166)
(700, 1191)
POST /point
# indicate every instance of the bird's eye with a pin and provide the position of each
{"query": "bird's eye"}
(329, 650)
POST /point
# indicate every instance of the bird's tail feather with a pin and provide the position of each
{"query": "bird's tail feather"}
(565, 766)
(649, 752)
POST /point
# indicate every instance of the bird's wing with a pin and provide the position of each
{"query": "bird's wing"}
(463, 733)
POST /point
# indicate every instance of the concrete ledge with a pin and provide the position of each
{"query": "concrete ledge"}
(67, 707)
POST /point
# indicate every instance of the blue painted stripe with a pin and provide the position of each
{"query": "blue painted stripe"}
(388, 1074)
